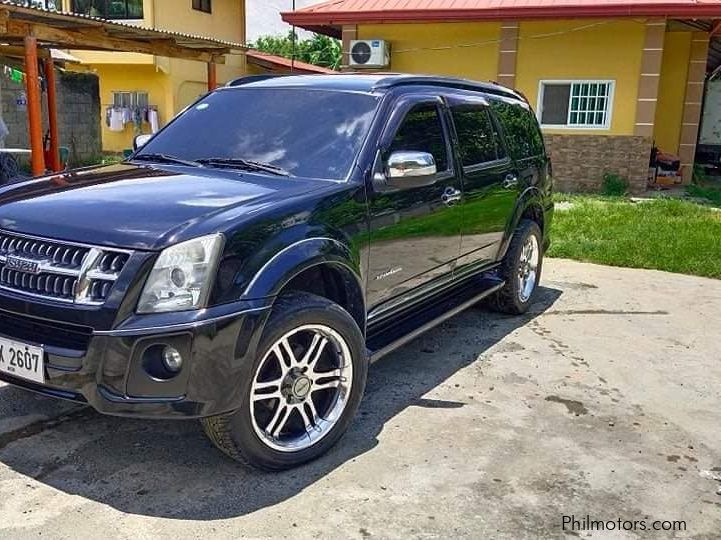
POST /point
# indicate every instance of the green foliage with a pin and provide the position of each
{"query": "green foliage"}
(699, 174)
(662, 234)
(705, 186)
(319, 50)
(614, 185)
(711, 193)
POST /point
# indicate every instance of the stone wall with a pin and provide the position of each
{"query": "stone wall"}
(581, 161)
(78, 115)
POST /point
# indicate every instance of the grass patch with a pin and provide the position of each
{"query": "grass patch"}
(663, 234)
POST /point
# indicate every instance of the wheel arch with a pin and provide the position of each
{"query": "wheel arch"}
(530, 206)
(321, 266)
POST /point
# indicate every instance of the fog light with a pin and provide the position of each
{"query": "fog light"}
(172, 359)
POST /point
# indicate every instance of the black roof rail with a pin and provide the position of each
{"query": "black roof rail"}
(449, 82)
(240, 81)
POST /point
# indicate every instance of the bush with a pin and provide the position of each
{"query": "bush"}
(614, 185)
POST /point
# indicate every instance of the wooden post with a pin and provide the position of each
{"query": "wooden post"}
(54, 164)
(212, 77)
(35, 120)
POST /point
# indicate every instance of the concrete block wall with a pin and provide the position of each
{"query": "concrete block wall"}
(581, 161)
(79, 115)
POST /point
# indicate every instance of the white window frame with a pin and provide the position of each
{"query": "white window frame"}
(568, 126)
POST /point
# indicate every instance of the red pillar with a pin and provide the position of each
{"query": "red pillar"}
(212, 77)
(54, 164)
(35, 119)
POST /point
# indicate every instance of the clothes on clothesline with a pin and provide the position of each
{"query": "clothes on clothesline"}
(154, 121)
(17, 76)
(117, 118)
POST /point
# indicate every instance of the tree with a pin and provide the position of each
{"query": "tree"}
(319, 50)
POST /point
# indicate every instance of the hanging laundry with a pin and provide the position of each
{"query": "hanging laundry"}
(16, 75)
(138, 118)
(117, 120)
(153, 120)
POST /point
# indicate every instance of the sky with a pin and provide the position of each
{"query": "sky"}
(264, 16)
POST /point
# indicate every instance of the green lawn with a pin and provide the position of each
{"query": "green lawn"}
(671, 235)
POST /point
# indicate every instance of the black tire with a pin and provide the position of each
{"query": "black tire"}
(234, 434)
(508, 299)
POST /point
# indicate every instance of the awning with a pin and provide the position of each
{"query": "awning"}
(61, 30)
(32, 33)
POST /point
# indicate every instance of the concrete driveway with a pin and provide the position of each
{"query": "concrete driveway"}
(604, 402)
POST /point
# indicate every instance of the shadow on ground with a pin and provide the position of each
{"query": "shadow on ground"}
(170, 470)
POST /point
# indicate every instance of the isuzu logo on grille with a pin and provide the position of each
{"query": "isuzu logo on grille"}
(19, 264)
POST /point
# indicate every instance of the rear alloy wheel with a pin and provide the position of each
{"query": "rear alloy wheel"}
(520, 269)
(303, 388)
(529, 262)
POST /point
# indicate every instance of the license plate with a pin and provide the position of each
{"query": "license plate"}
(21, 360)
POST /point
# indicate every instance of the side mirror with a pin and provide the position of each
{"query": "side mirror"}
(141, 140)
(411, 169)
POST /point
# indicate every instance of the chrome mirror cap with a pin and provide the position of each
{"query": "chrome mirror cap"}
(141, 140)
(410, 165)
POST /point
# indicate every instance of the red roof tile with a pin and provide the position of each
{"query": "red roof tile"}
(339, 12)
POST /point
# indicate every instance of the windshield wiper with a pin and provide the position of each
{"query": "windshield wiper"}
(165, 158)
(245, 164)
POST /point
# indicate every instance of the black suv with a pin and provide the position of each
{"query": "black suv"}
(247, 263)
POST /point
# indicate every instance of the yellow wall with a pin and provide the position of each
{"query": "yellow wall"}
(172, 83)
(672, 91)
(603, 50)
(131, 78)
(227, 22)
(479, 61)
(561, 50)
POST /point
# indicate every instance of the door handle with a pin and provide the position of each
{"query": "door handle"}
(451, 196)
(510, 181)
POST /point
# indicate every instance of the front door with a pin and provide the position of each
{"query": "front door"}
(416, 231)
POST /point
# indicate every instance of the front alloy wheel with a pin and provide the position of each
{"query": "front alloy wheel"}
(301, 388)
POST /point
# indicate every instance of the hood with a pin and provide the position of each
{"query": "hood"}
(138, 207)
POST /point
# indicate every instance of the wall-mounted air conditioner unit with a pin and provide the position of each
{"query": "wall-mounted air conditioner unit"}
(369, 53)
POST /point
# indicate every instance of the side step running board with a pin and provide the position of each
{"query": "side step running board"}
(407, 327)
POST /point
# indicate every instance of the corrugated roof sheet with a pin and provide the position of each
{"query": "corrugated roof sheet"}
(185, 39)
(284, 63)
(336, 12)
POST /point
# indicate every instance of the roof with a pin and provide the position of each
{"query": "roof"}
(375, 82)
(328, 16)
(63, 30)
(280, 63)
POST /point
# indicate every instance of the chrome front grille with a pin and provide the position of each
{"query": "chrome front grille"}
(58, 270)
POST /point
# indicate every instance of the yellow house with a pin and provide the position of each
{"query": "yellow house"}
(608, 79)
(153, 82)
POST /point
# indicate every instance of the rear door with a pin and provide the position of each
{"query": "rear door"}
(490, 182)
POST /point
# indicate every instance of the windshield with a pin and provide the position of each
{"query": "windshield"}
(309, 133)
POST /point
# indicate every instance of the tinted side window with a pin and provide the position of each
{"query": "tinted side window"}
(520, 127)
(477, 140)
(422, 131)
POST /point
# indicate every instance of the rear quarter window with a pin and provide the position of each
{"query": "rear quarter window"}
(520, 127)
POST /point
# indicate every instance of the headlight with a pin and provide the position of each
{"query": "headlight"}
(182, 276)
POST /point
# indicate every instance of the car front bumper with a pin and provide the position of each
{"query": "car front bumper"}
(110, 369)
